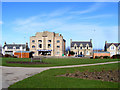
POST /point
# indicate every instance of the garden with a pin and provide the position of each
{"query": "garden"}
(50, 62)
(104, 76)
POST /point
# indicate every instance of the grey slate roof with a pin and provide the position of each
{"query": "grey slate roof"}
(109, 44)
(16, 45)
(81, 42)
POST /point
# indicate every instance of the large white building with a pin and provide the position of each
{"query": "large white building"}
(47, 43)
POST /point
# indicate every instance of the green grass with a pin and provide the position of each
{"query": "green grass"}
(55, 62)
(48, 79)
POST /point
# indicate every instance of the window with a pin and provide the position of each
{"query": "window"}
(10, 47)
(17, 47)
(33, 46)
(75, 47)
(49, 40)
(87, 53)
(40, 45)
(119, 48)
(39, 40)
(33, 41)
(112, 47)
(58, 46)
(58, 41)
(80, 47)
(49, 45)
(87, 47)
(58, 52)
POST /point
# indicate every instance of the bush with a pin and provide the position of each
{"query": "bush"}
(7, 55)
(101, 57)
(106, 57)
(117, 56)
(91, 57)
(14, 56)
(97, 57)
(71, 53)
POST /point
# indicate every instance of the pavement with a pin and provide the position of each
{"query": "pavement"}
(10, 75)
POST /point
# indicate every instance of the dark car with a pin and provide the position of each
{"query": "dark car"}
(80, 56)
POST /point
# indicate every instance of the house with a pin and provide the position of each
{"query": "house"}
(47, 43)
(81, 47)
(12, 48)
(113, 48)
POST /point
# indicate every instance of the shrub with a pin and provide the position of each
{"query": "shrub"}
(117, 56)
(71, 53)
(14, 56)
(7, 55)
(101, 57)
(91, 57)
(97, 57)
(106, 57)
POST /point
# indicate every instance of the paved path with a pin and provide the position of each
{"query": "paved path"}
(11, 75)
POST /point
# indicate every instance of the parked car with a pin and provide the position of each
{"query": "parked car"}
(79, 55)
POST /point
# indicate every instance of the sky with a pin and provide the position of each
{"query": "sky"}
(79, 21)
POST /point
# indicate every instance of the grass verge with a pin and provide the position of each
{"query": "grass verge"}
(48, 79)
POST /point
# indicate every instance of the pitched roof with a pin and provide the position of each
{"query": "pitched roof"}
(81, 42)
(16, 45)
(109, 44)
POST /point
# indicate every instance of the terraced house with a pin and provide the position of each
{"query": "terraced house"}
(47, 43)
(113, 48)
(81, 47)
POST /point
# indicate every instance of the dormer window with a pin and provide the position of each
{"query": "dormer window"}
(80, 47)
(112, 48)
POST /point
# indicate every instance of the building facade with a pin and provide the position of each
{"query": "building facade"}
(47, 43)
(81, 47)
(113, 48)
(12, 48)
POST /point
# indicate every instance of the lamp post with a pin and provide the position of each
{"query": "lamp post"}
(21, 50)
(96, 43)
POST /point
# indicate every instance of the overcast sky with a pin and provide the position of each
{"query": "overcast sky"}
(80, 21)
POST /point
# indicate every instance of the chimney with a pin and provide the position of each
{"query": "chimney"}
(27, 48)
(70, 40)
(91, 40)
(5, 43)
(105, 42)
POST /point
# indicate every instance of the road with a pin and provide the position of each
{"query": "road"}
(10, 75)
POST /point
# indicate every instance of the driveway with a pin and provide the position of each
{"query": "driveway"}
(10, 75)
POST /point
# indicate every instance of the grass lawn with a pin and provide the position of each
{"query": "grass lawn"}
(48, 79)
(54, 62)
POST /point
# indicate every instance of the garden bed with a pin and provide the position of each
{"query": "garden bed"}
(110, 75)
